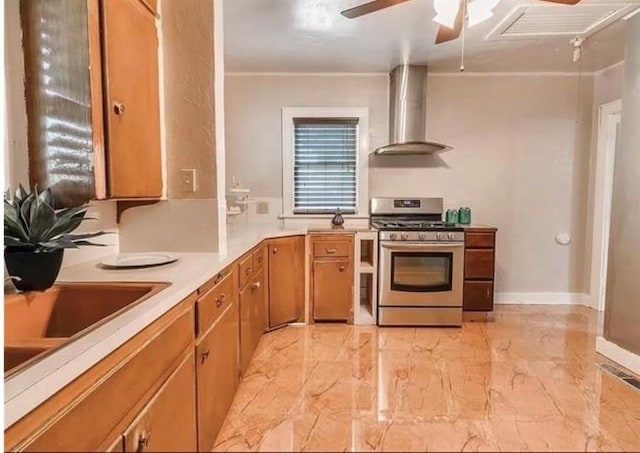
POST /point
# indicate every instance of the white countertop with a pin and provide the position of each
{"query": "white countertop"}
(30, 387)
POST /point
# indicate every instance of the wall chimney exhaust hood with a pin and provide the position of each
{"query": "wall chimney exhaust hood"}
(407, 113)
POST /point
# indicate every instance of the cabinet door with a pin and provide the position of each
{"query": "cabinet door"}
(251, 319)
(332, 286)
(286, 280)
(478, 295)
(217, 357)
(130, 47)
(168, 422)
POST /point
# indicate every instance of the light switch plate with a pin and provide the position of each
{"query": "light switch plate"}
(188, 181)
(262, 207)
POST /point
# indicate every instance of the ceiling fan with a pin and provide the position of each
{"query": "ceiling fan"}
(451, 14)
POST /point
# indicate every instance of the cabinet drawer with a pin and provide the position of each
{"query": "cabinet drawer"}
(478, 264)
(259, 258)
(245, 270)
(213, 303)
(331, 249)
(478, 295)
(483, 240)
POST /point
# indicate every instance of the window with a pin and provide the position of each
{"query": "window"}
(324, 161)
(324, 167)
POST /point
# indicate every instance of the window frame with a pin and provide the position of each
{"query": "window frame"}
(288, 157)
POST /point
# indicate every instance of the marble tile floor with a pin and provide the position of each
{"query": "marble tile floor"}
(527, 381)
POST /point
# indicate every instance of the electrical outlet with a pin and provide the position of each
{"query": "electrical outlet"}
(262, 207)
(188, 180)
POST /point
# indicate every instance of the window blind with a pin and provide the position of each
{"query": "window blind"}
(325, 159)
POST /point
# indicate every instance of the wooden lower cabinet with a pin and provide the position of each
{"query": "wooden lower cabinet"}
(332, 290)
(332, 277)
(252, 318)
(217, 375)
(94, 410)
(168, 422)
(286, 280)
(479, 269)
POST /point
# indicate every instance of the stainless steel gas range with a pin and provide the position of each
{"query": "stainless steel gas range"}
(421, 263)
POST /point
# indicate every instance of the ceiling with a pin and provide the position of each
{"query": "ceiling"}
(312, 36)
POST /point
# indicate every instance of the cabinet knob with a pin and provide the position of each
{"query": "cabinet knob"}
(204, 356)
(342, 268)
(118, 108)
(220, 300)
(256, 286)
(143, 440)
(274, 251)
(248, 271)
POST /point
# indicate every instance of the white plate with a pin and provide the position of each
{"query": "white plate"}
(129, 260)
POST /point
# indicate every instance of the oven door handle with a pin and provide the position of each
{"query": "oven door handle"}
(419, 245)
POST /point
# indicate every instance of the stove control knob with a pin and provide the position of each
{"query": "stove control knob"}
(404, 236)
(421, 236)
(452, 236)
(393, 236)
(440, 236)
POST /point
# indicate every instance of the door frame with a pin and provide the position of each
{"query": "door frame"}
(609, 118)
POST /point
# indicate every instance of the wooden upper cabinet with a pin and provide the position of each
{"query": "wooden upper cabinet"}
(332, 289)
(130, 49)
(217, 375)
(286, 279)
(168, 422)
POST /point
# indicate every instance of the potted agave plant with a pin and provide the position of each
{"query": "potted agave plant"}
(35, 236)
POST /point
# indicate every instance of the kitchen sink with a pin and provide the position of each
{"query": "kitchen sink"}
(36, 323)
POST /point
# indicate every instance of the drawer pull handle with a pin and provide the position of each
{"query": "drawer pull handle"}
(220, 300)
(256, 286)
(217, 278)
(331, 251)
(248, 271)
(204, 356)
(342, 268)
(143, 440)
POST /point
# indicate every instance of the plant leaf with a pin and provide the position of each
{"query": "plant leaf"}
(43, 218)
(76, 237)
(12, 225)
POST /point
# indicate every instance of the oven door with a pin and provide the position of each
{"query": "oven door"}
(421, 274)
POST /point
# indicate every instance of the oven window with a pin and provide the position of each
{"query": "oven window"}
(421, 272)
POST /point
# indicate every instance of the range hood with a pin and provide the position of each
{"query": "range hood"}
(407, 108)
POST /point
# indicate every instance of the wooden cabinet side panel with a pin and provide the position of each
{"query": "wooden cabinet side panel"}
(217, 375)
(168, 422)
(130, 49)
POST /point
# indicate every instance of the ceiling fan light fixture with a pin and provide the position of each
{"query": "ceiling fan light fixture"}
(446, 10)
(480, 10)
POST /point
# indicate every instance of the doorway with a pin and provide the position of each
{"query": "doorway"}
(608, 129)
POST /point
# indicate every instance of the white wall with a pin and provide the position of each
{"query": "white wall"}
(607, 87)
(520, 161)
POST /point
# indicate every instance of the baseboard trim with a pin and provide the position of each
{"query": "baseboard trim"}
(612, 351)
(544, 299)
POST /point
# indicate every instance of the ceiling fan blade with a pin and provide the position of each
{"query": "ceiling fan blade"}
(370, 7)
(449, 34)
(563, 2)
